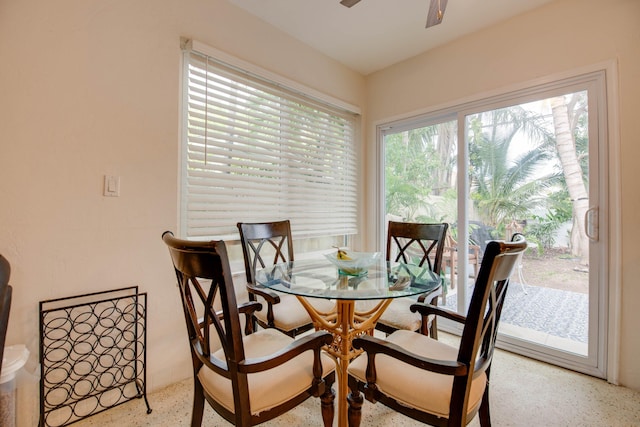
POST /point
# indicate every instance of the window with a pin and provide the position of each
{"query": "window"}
(532, 161)
(256, 150)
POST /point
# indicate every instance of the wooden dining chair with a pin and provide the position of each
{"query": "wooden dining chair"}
(247, 379)
(263, 245)
(420, 244)
(431, 381)
(5, 302)
(451, 254)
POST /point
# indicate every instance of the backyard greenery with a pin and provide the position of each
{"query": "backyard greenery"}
(527, 168)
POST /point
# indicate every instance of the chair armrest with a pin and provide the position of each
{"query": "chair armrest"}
(431, 295)
(270, 296)
(427, 309)
(248, 308)
(373, 346)
(216, 365)
(313, 342)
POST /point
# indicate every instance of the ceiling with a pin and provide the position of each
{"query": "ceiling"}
(374, 34)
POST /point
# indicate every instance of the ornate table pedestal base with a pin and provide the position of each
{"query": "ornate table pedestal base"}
(345, 323)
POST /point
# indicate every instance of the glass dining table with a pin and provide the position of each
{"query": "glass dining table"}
(360, 300)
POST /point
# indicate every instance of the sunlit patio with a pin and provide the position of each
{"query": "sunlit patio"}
(547, 303)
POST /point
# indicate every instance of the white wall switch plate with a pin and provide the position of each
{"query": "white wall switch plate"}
(111, 186)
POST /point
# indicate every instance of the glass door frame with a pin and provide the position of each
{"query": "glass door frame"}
(596, 363)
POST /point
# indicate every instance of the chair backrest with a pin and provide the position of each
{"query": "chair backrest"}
(408, 241)
(265, 240)
(199, 265)
(5, 303)
(480, 330)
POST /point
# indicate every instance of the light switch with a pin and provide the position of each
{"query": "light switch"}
(111, 186)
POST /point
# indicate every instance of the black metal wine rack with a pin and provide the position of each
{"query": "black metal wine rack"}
(92, 354)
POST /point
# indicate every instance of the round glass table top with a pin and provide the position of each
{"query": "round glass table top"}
(319, 278)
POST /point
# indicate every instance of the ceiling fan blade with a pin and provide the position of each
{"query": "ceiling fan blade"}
(436, 12)
(349, 3)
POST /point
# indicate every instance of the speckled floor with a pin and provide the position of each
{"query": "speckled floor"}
(524, 392)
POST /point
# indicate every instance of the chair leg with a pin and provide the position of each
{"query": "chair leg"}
(327, 406)
(198, 404)
(355, 400)
(483, 412)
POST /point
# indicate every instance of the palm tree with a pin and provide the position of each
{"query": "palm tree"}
(506, 181)
(566, 117)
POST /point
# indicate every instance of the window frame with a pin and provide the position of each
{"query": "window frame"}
(599, 80)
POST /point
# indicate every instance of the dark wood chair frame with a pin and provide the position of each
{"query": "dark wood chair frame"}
(255, 237)
(475, 352)
(6, 292)
(427, 240)
(197, 263)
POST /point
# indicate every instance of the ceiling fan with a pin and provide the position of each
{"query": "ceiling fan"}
(434, 16)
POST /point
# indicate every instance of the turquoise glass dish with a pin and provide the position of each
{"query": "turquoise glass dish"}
(358, 265)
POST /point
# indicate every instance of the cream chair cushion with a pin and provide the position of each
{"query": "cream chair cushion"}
(417, 388)
(269, 388)
(289, 314)
(399, 316)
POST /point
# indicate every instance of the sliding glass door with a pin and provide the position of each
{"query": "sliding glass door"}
(530, 163)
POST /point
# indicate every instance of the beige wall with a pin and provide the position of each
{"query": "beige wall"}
(560, 37)
(92, 87)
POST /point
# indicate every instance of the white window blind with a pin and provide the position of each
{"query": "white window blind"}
(257, 151)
